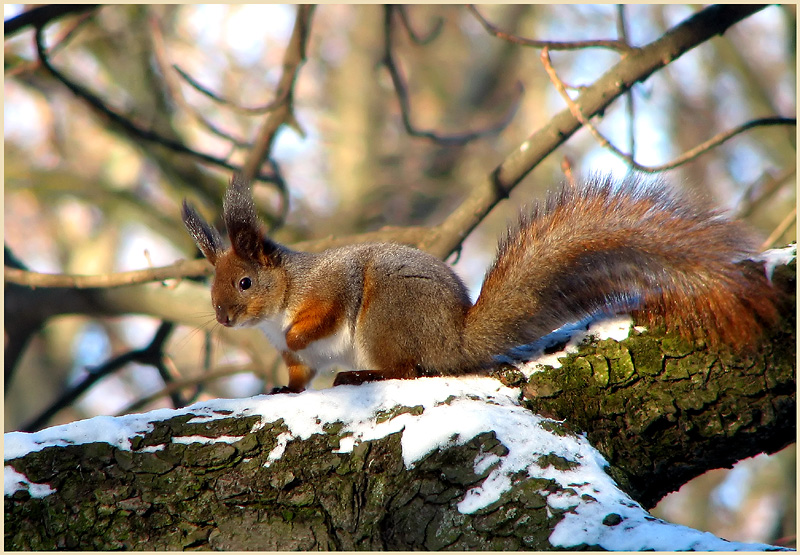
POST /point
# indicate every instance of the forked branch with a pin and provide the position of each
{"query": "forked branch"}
(687, 156)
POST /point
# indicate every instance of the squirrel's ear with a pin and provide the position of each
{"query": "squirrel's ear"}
(244, 229)
(270, 252)
(205, 237)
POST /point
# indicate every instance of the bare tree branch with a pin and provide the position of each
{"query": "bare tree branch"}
(151, 355)
(61, 41)
(178, 270)
(174, 90)
(418, 39)
(760, 190)
(177, 385)
(268, 107)
(622, 31)
(780, 229)
(687, 156)
(283, 113)
(124, 123)
(635, 67)
(401, 89)
(40, 16)
(618, 45)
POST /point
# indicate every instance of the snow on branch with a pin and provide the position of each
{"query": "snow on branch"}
(372, 459)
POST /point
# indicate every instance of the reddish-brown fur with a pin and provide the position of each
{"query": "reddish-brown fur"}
(316, 318)
(299, 373)
(631, 248)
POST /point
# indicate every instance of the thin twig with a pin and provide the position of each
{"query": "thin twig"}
(174, 89)
(786, 223)
(168, 372)
(257, 110)
(622, 31)
(760, 190)
(416, 38)
(687, 156)
(617, 45)
(177, 385)
(127, 125)
(207, 360)
(401, 90)
(634, 68)
(61, 41)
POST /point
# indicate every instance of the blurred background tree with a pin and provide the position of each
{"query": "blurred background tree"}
(362, 117)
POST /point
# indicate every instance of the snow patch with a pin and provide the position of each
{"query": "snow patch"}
(14, 481)
(152, 448)
(278, 450)
(204, 439)
(615, 327)
(773, 258)
(484, 462)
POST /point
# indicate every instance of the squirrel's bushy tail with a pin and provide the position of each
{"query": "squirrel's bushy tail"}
(621, 246)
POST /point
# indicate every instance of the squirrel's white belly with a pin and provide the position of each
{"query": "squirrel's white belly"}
(337, 349)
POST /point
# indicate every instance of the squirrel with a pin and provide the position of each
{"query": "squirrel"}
(390, 311)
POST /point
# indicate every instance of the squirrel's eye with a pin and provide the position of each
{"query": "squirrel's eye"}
(245, 283)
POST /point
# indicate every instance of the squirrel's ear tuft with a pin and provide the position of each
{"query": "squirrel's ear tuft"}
(205, 237)
(244, 229)
(238, 208)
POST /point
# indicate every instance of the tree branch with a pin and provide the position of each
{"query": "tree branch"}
(173, 89)
(760, 190)
(635, 67)
(630, 107)
(618, 45)
(40, 16)
(398, 81)
(151, 355)
(124, 123)
(283, 112)
(410, 464)
(402, 10)
(268, 107)
(687, 156)
(787, 222)
(178, 270)
(197, 381)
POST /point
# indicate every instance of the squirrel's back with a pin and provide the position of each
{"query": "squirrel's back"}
(618, 246)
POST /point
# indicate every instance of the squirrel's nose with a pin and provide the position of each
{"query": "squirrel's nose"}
(222, 316)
